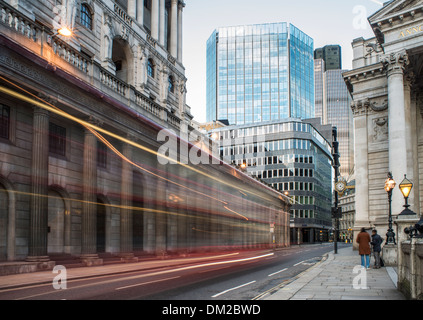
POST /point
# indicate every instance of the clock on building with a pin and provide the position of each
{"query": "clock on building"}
(340, 186)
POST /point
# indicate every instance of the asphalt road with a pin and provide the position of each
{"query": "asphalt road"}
(240, 276)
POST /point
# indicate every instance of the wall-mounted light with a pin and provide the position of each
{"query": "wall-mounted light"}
(65, 31)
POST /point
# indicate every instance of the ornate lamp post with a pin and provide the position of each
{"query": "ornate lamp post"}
(389, 186)
(415, 231)
(405, 187)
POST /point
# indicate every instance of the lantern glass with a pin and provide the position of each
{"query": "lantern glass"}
(405, 187)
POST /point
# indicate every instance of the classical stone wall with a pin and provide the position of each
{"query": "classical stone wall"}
(411, 281)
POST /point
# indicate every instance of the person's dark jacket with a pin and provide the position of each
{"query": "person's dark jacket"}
(376, 242)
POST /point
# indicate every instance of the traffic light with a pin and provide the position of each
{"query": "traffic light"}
(336, 213)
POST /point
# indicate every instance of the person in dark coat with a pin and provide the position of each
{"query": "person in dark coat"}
(376, 244)
(363, 240)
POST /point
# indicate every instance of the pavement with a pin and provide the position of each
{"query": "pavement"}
(340, 277)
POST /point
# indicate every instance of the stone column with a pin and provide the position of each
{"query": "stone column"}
(361, 168)
(411, 134)
(162, 22)
(398, 139)
(140, 12)
(155, 19)
(126, 231)
(38, 219)
(174, 28)
(132, 8)
(89, 208)
(180, 8)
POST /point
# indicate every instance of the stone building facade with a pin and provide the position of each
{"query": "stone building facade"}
(79, 164)
(386, 84)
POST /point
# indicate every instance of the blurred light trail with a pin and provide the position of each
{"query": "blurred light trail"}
(236, 213)
(93, 128)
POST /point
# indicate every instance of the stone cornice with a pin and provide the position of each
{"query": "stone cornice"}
(362, 74)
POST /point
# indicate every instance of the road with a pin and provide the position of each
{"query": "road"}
(237, 276)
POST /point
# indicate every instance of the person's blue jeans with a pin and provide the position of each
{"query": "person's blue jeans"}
(365, 260)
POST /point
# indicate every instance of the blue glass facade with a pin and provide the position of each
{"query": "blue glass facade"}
(259, 73)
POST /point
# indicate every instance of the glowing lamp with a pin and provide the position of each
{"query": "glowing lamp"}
(389, 183)
(65, 31)
(405, 187)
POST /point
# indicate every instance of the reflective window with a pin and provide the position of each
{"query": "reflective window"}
(86, 17)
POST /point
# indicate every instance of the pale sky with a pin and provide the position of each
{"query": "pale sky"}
(326, 21)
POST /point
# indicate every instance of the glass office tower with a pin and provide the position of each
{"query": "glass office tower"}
(333, 106)
(259, 73)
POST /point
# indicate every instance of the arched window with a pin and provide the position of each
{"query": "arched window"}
(86, 17)
(150, 68)
(171, 84)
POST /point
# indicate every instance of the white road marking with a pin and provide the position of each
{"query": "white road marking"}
(298, 263)
(145, 283)
(231, 289)
(272, 274)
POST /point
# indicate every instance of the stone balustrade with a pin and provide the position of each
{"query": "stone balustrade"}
(69, 54)
(11, 18)
(113, 82)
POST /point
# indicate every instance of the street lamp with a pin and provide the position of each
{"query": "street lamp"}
(65, 31)
(415, 231)
(405, 187)
(389, 186)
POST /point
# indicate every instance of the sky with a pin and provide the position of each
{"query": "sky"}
(326, 21)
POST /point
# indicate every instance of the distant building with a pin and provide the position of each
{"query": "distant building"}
(292, 156)
(347, 205)
(331, 55)
(259, 73)
(332, 105)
